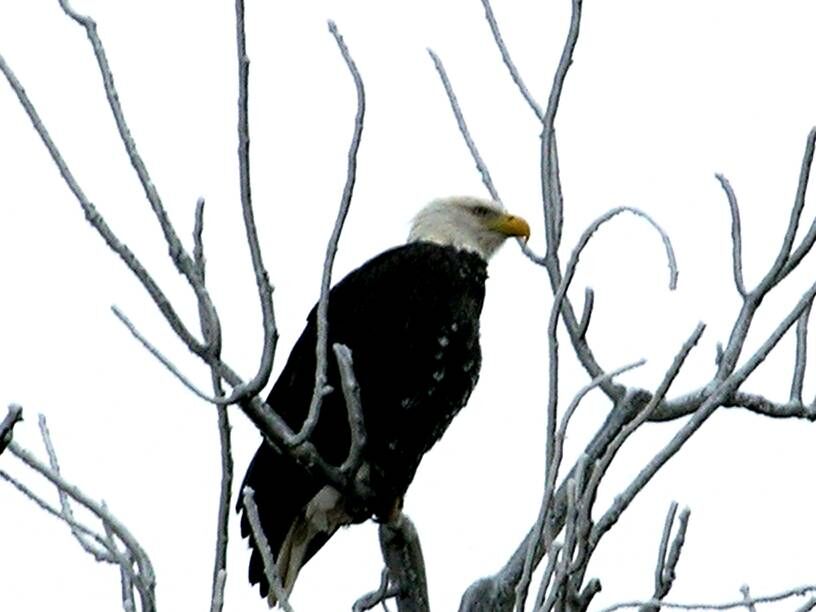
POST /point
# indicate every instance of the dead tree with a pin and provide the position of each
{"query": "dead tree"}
(570, 524)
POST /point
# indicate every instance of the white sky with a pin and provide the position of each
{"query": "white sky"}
(661, 96)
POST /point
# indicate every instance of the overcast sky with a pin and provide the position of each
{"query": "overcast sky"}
(661, 96)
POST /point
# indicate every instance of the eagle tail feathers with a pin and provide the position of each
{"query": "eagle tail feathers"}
(310, 530)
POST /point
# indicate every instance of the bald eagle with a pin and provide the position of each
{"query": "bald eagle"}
(411, 319)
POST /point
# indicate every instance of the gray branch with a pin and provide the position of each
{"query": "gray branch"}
(463, 129)
(402, 553)
(143, 576)
(736, 235)
(321, 348)
(730, 605)
(667, 559)
(270, 568)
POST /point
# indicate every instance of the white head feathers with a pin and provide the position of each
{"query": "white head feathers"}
(467, 223)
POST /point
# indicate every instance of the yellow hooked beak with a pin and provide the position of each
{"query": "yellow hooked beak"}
(510, 225)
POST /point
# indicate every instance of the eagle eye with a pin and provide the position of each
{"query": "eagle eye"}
(481, 211)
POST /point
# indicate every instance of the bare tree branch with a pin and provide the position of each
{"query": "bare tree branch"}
(807, 606)
(586, 315)
(161, 358)
(402, 553)
(351, 394)
(321, 388)
(707, 408)
(602, 464)
(784, 263)
(224, 436)
(550, 179)
(261, 275)
(67, 513)
(143, 576)
(804, 247)
(801, 355)
(795, 592)
(667, 559)
(269, 423)
(551, 476)
(553, 555)
(57, 513)
(660, 578)
(460, 121)
(125, 561)
(746, 596)
(375, 598)
(736, 235)
(177, 253)
(690, 403)
(270, 569)
(508, 61)
(559, 299)
(96, 220)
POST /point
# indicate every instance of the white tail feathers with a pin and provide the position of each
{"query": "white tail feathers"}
(324, 514)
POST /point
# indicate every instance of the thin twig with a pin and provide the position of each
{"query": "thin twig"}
(663, 551)
(57, 513)
(321, 348)
(706, 409)
(559, 588)
(508, 61)
(111, 555)
(592, 588)
(736, 235)
(804, 247)
(265, 289)
(224, 437)
(582, 350)
(781, 267)
(460, 121)
(164, 360)
(177, 253)
(558, 301)
(125, 562)
(794, 592)
(586, 315)
(65, 504)
(605, 459)
(351, 394)
(801, 355)
(667, 559)
(687, 404)
(546, 578)
(603, 463)
(552, 474)
(224, 502)
(145, 577)
(375, 598)
(198, 241)
(262, 546)
(746, 596)
(550, 179)
(670, 570)
(97, 221)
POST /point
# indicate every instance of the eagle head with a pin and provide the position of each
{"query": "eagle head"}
(468, 223)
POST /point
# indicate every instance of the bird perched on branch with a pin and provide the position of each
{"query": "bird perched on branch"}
(410, 317)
